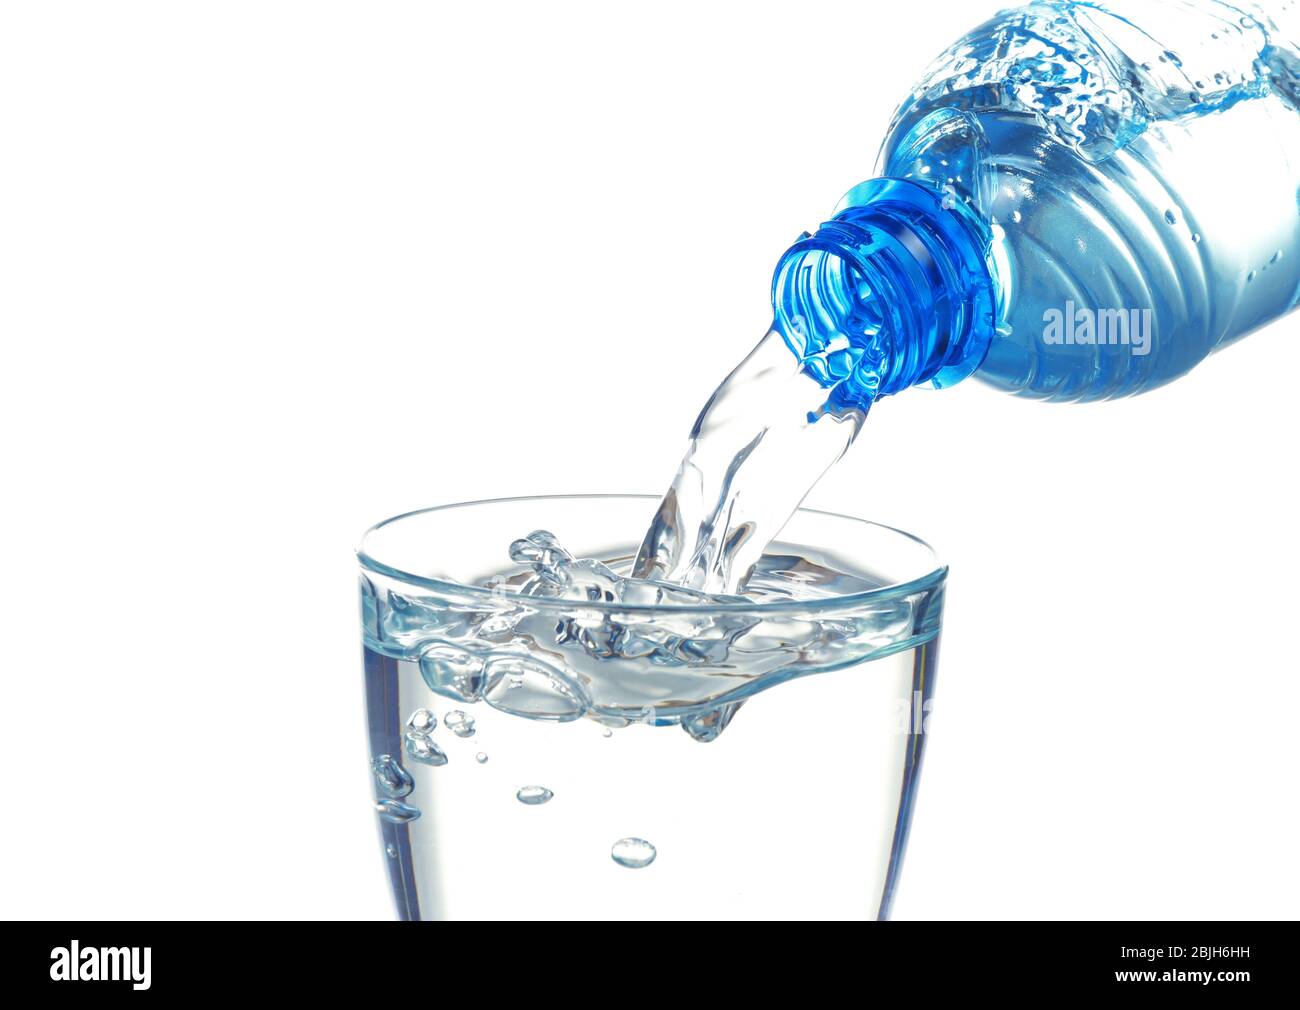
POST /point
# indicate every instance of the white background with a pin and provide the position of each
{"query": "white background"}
(270, 272)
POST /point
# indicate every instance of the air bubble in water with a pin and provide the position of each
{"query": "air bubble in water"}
(421, 748)
(481, 758)
(534, 796)
(460, 723)
(520, 685)
(607, 733)
(396, 812)
(634, 853)
(422, 721)
(453, 671)
(392, 851)
(1171, 217)
(392, 779)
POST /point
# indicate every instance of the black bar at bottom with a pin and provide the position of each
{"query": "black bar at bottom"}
(1228, 959)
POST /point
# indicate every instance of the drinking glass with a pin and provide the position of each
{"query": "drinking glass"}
(547, 757)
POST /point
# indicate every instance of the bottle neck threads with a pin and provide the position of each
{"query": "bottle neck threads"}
(894, 291)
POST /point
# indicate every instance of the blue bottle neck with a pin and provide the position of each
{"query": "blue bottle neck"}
(893, 292)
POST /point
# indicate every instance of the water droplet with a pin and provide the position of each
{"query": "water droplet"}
(460, 723)
(481, 758)
(1015, 216)
(550, 562)
(422, 721)
(520, 685)
(396, 812)
(1171, 217)
(453, 671)
(540, 547)
(707, 726)
(534, 796)
(422, 748)
(607, 733)
(391, 778)
(1196, 237)
(634, 853)
(1250, 276)
(392, 851)
(1276, 256)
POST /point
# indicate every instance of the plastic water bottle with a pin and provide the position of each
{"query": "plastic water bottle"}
(1079, 201)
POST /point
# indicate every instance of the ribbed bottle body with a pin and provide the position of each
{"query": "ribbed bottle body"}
(1137, 167)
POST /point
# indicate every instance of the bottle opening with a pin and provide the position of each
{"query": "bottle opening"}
(893, 292)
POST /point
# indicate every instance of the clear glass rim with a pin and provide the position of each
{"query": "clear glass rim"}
(931, 579)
